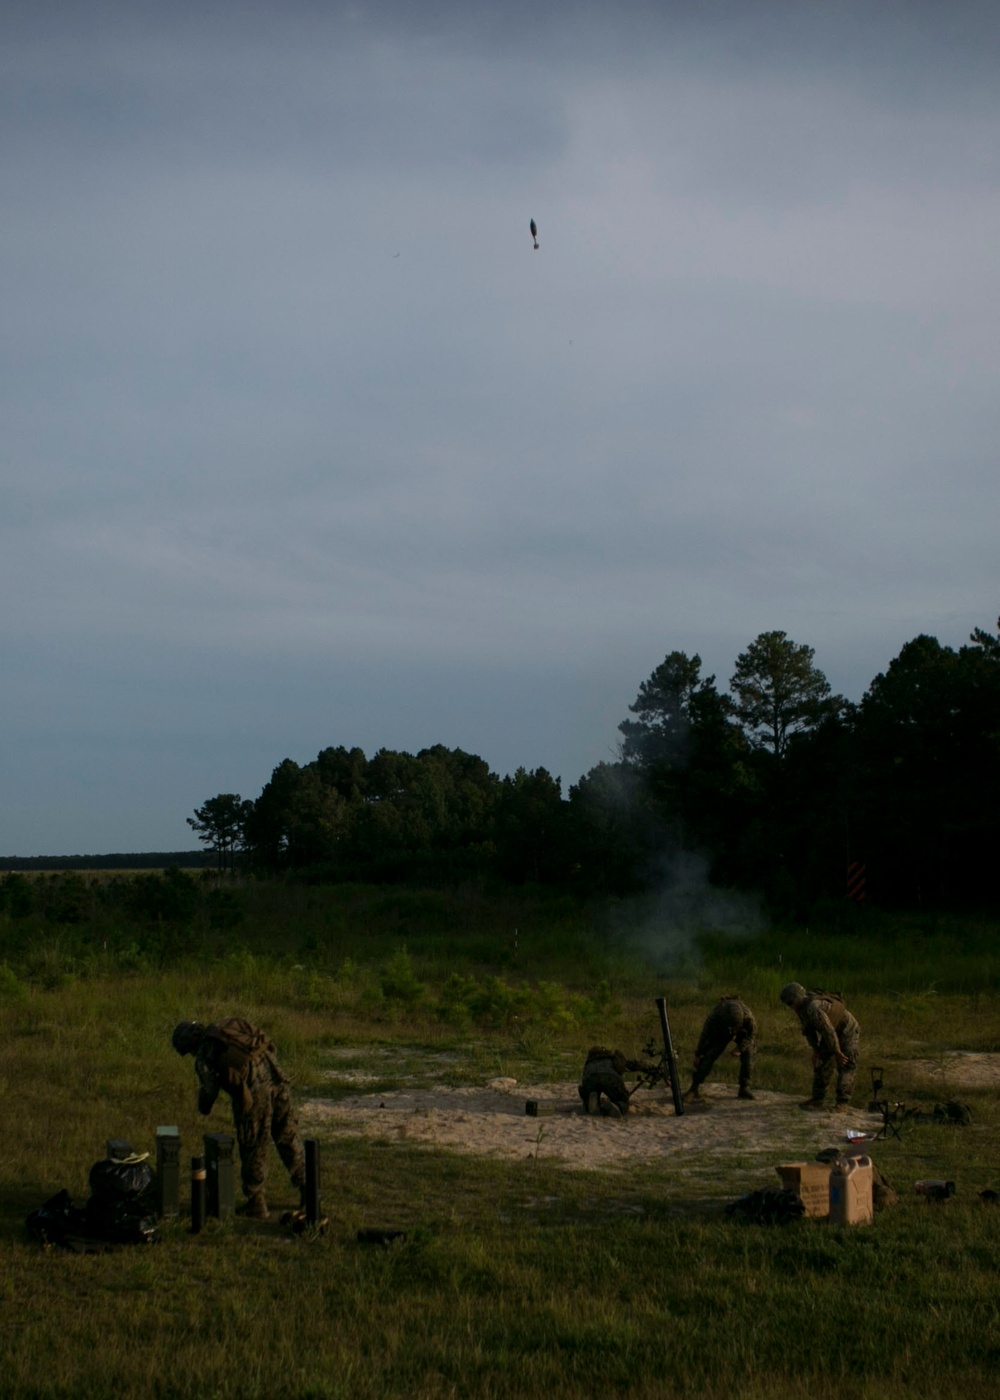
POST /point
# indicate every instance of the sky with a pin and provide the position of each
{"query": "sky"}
(303, 444)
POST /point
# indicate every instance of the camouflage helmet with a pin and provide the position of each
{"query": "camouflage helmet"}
(186, 1036)
(793, 992)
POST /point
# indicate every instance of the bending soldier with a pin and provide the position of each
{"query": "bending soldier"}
(834, 1036)
(236, 1057)
(602, 1076)
(729, 1020)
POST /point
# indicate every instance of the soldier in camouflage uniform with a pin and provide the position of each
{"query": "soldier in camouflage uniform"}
(236, 1057)
(834, 1036)
(729, 1020)
(602, 1075)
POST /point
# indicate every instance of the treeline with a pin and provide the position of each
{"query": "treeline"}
(130, 860)
(778, 783)
(105, 907)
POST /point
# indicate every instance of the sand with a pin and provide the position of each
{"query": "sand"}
(959, 1069)
(490, 1119)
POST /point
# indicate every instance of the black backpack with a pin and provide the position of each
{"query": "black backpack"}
(121, 1210)
(122, 1205)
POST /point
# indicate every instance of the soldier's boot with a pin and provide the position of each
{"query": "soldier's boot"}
(254, 1208)
(610, 1109)
(692, 1094)
(593, 1103)
(813, 1106)
(745, 1092)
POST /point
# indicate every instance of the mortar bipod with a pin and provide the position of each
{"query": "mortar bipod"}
(892, 1113)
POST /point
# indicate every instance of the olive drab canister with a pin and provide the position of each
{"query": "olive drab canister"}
(168, 1168)
(220, 1195)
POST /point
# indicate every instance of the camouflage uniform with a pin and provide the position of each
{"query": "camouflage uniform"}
(262, 1107)
(829, 1027)
(729, 1020)
(602, 1074)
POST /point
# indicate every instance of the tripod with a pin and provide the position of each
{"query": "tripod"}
(893, 1114)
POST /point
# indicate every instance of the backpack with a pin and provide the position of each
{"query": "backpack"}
(953, 1112)
(833, 1004)
(122, 1205)
(122, 1209)
(239, 1043)
(766, 1208)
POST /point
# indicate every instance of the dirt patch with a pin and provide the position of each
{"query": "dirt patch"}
(727, 1136)
(962, 1069)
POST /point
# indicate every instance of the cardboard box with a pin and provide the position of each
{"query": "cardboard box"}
(811, 1183)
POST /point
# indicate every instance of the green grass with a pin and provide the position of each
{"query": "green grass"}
(517, 1279)
(512, 1283)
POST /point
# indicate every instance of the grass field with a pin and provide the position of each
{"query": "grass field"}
(516, 1279)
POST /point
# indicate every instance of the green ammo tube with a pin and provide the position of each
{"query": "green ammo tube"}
(220, 1192)
(168, 1172)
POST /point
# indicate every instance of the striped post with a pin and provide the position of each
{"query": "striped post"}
(856, 882)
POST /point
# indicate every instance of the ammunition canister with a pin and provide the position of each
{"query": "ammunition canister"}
(219, 1186)
(168, 1172)
(935, 1190)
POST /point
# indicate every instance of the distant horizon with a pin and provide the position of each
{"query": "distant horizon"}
(99, 856)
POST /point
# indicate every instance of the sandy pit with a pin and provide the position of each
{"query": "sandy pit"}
(960, 1069)
(726, 1136)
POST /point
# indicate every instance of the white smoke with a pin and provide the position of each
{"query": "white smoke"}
(665, 925)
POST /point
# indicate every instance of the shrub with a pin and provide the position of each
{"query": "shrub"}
(399, 981)
(224, 909)
(17, 897)
(10, 987)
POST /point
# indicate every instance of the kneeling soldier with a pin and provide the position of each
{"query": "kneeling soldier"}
(602, 1075)
(729, 1020)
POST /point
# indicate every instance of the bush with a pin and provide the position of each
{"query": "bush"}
(224, 909)
(10, 987)
(399, 981)
(17, 897)
(168, 898)
(495, 1004)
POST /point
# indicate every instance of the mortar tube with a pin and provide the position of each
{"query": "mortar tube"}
(670, 1057)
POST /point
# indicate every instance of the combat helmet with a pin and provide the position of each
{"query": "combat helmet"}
(792, 992)
(186, 1037)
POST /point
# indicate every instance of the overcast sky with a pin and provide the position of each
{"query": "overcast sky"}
(304, 444)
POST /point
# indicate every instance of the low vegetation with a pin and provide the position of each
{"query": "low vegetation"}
(514, 1280)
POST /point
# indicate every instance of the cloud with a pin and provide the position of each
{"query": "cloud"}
(287, 393)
